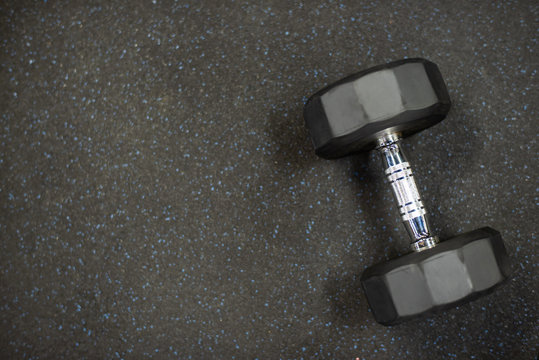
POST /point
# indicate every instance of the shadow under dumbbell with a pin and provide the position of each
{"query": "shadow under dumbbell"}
(348, 303)
(374, 201)
(292, 153)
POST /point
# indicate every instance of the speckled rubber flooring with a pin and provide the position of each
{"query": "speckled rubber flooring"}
(160, 196)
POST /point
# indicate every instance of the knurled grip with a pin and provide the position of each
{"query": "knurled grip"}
(401, 178)
(402, 181)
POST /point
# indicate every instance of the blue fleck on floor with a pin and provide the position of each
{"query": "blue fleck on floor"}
(160, 197)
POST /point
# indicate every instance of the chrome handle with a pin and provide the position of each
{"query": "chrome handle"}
(401, 178)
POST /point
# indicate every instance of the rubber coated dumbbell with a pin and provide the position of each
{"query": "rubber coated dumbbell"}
(375, 109)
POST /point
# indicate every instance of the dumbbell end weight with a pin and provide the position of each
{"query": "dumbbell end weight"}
(454, 272)
(350, 115)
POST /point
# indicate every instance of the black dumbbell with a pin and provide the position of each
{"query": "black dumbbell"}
(375, 109)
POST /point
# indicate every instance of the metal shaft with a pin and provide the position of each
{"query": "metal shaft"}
(411, 208)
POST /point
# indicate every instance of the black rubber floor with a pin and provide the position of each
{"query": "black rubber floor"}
(159, 196)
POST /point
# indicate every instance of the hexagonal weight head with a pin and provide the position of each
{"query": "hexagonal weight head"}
(454, 272)
(348, 116)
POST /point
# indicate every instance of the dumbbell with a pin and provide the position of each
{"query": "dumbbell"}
(375, 109)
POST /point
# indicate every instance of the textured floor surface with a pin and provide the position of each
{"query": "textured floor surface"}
(159, 196)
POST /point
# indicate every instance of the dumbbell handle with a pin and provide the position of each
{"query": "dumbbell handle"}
(399, 174)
